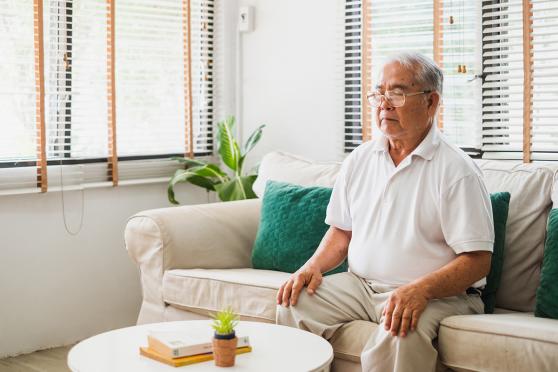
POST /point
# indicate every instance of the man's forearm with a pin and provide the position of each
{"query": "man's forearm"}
(458, 275)
(332, 250)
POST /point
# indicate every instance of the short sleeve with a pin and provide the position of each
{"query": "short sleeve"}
(466, 216)
(338, 212)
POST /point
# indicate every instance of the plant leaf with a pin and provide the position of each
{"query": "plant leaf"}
(229, 191)
(188, 161)
(238, 188)
(206, 176)
(225, 321)
(240, 165)
(180, 175)
(204, 182)
(248, 182)
(252, 140)
(209, 170)
(228, 147)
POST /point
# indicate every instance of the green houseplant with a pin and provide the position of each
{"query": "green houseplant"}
(225, 340)
(210, 176)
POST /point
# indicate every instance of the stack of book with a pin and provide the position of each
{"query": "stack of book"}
(178, 349)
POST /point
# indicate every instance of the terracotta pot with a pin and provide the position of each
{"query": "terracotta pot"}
(224, 350)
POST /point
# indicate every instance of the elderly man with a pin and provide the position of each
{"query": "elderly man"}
(411, 213)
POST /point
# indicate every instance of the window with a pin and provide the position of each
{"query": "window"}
(544, 120)
(502, 90)
(125, 85)
(410, 26)
(503, 106)
(18, 94)
(352, 78)
(520, 91)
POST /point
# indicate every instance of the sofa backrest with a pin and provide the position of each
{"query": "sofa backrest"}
(280, 166)
(530, 186)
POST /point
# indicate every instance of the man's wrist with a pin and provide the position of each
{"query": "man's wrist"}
(426, 290)
(311, 264)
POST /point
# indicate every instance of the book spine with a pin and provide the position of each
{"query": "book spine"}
(243, 341)
(192, 350)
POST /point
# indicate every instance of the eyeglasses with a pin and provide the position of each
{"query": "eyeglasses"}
(393, 98)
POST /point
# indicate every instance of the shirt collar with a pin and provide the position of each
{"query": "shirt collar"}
(425, 149)
(429, 144)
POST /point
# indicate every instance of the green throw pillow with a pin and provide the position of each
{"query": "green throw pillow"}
(291, 227)
(547, 293)
(500, 206)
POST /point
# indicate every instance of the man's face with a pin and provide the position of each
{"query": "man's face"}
(411, 120)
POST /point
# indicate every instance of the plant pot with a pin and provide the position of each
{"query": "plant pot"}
(224, 349)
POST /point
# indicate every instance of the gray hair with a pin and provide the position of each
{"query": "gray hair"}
(428, 74)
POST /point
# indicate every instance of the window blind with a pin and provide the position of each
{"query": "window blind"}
(410, 27)
(544, 132)
(154, 47)
(76, 94)
(502, 90)
(352, 78)
(460, 40)
(150, 68)
(18, 94)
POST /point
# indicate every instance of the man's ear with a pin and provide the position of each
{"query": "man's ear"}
(433, 102)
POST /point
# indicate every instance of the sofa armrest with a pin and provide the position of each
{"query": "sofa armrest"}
(209, 236)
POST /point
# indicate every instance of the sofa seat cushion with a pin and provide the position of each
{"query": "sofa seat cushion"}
(515, 341)
(250, 292)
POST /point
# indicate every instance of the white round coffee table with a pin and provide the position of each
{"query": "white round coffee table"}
(274, 348)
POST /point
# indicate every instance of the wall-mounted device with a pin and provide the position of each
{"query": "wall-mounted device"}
(246, 19)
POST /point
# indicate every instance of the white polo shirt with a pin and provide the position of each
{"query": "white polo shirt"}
(410, 220)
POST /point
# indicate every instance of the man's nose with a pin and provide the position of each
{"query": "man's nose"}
(385, 104)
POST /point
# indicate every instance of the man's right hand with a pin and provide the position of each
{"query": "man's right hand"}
(307, 275)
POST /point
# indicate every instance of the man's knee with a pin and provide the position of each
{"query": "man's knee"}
(290, 315)
(383, 336)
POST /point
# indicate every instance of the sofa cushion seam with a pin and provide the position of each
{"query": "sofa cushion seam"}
(222, 281)
(214, 310)
(499, 334)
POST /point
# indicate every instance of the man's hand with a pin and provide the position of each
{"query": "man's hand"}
(403, 309)
(307, 275)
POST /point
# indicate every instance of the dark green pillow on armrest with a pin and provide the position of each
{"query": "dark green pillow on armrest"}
(500, 206)
(291, 227)
(547, 293)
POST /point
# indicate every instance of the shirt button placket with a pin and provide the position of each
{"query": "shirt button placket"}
(385, 192)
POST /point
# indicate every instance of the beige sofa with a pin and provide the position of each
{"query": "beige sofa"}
(196, 259)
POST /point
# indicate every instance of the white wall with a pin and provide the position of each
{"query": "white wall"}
(56, 288)
(292, 77)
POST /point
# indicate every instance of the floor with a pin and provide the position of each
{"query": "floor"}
(51, 360)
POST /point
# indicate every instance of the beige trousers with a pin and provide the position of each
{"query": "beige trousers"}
(344, 297)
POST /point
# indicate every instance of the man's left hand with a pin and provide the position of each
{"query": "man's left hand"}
(403, 309)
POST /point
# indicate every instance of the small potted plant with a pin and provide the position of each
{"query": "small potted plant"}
(225, 340)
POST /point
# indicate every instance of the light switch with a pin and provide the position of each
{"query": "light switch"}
(246, 19)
